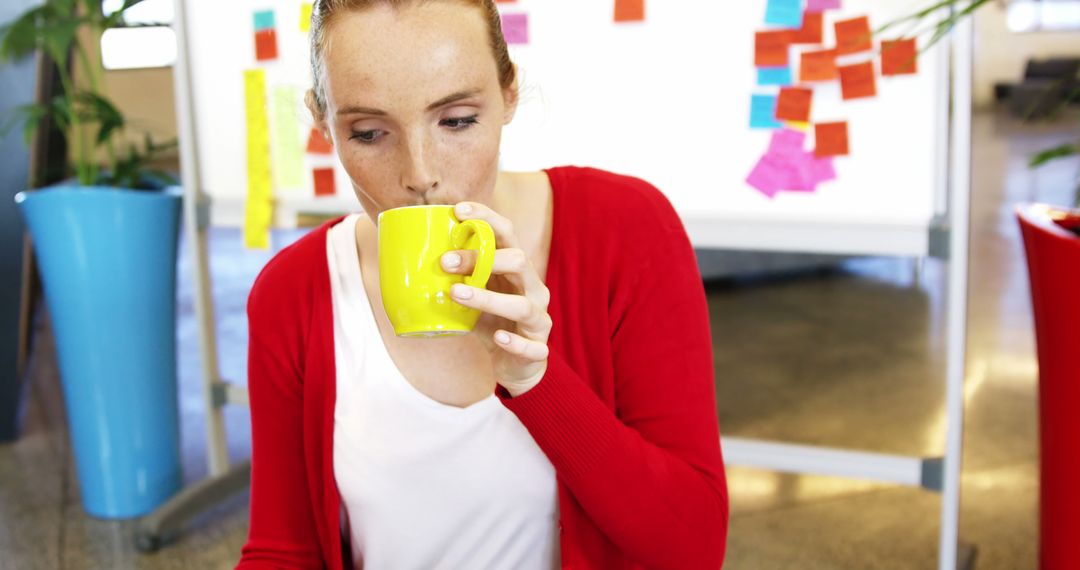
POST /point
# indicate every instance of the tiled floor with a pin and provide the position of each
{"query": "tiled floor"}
(849, 357)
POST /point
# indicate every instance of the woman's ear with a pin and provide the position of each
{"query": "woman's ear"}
(318, 114)
(510, 99)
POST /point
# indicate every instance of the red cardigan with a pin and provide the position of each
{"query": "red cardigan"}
(626, 412)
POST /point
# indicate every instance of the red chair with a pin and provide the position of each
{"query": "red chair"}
(1053, 258)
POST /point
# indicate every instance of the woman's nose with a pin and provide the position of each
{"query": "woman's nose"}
(418, 175)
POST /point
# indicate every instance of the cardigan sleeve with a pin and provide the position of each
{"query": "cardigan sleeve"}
(282, 531)
(650, 473)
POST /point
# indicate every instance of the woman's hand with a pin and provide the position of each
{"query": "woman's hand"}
(515, 324)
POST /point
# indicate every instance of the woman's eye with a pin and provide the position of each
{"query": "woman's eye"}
(366, 137)
(460, 123)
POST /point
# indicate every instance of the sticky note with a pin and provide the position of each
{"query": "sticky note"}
(629, 10)
(797, 125)
(288, 157)
(774, 75)
(767, 176)
(305, 16)
(317, 143)
(763, 112)
(324, 181)
(819, 6)
(264, 20)
(853, 36)
(857, 81)
(822, 170)
(831, 139)
(818, 66)
(258, 209)
(787, 13)
(515, 28)
(793, 104)
(787, 141)
(899, 57)
(811, 30)
(265, 45)
(771, 48)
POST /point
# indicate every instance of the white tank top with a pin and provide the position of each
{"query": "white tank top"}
(426, 485)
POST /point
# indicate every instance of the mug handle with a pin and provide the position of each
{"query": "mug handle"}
(478, 235)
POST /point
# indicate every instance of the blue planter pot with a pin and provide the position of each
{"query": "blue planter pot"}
(108, 265)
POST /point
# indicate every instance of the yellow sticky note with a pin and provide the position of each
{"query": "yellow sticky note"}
(287, 146)
(305, 17)
(798, 125)
(258, 209)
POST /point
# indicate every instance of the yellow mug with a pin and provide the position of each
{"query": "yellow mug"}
(415, 289)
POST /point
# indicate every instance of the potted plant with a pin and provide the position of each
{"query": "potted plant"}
(105, 242)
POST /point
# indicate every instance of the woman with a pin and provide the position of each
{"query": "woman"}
(576, 426)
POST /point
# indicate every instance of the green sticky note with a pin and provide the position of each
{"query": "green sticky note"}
(288, 148)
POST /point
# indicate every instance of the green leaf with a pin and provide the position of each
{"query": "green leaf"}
(1050, 154)
(94, 107)
(19, 37)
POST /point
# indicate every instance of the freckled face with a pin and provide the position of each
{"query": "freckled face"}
(414, 105)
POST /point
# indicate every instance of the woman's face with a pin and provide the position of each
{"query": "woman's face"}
(414, 106)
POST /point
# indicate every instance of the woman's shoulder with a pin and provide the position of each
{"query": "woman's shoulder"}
(293, 272)
(599, 194)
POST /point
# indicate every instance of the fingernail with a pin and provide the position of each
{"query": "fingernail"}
(461, 291)
(502, 338)
(464, 209)
(451, 260)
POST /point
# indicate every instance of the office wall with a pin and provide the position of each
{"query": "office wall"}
(1000, 55)
(18, 80)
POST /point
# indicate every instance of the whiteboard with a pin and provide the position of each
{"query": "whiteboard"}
(667, 100)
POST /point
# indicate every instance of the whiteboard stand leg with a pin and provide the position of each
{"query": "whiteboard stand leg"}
(956, 295)
(166, 521)
(917, 270)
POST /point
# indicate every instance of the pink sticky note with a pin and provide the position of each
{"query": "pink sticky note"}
(822, 5)
(767, 176)
(787, 141)
(821, 169)
(797, 167)
(515, 28)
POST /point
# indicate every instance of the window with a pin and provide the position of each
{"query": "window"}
(146, 38)
(1043, 15)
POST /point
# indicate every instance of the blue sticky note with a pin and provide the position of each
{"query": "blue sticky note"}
(787, 13)
(763, 112)
(774, 76)
(264, 20)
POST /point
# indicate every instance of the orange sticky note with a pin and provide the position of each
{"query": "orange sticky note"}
(853, 36)
(771, 48)
(818, 66)
(857, 81)
(324, 181)
(317, 143)
(629, 10)
(265, 44)
(830, 139)
(793, 104)
(811, 30)
(899, 57)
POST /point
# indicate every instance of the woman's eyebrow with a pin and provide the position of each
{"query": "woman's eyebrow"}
(452, 98)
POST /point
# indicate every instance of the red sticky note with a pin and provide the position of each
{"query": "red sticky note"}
(771, 48)
(324, 181)
(265, 45)
(317, 143)
(629, 10)
(811, 30)
(853, 36)
(899, 57)
(818, 66)
(830, 139)
(793, 104)
(857, 81)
